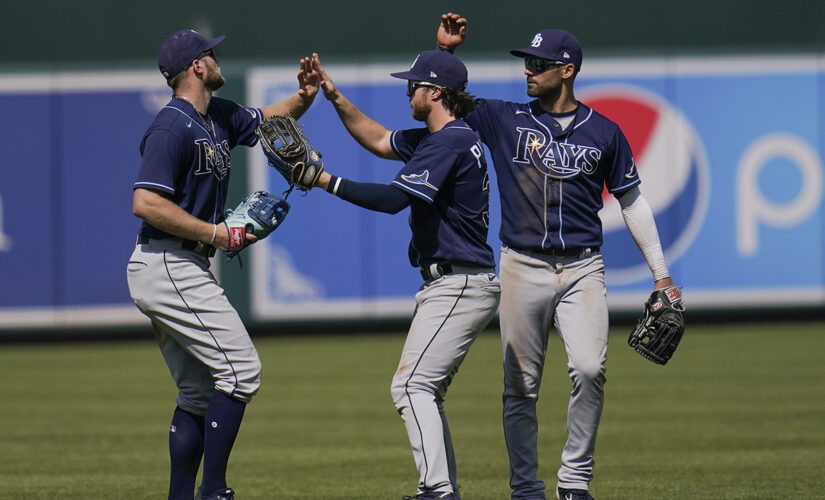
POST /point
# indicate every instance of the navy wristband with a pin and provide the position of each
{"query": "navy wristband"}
(331, 186)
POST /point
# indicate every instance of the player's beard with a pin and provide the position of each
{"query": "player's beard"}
(544, 90)
(545, 85)
(420, 111)
(214, 80)
(212, 77)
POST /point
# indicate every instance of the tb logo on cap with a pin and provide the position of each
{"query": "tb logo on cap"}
(536, 40)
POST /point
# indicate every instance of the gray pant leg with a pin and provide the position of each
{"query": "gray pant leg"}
(582, 323)
(183, 299)
(193, 379)
(525, 315)
(537, 293)
(450, 314)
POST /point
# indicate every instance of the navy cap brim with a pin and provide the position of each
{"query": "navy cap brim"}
(530, 52)
(405, 75)
(214, 42)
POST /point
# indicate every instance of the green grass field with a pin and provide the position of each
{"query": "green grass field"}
(739, 413)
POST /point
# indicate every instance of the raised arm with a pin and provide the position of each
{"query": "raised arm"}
(451, 31)
(298, 103)
(370, 134)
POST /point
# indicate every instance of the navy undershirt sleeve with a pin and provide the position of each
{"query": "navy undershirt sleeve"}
(372, 196)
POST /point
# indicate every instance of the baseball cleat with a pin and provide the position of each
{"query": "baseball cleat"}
(564, 494)
(225, 494)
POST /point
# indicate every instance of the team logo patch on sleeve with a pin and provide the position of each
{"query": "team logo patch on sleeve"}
(422, 179)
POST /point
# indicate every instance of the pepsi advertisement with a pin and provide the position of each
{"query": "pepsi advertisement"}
(733, 174)
(735, 185)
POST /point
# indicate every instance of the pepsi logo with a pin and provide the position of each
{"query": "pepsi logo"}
(673, 167)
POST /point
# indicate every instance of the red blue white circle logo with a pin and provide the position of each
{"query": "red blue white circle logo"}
(675, 176)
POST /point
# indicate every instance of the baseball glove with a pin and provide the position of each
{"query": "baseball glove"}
(289, 151)
(660, 328)
(259, 213)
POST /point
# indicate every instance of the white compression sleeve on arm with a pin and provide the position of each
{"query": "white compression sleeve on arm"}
(639, 219)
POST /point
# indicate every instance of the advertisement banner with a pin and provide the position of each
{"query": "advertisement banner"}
(729, 151)
(70, 148)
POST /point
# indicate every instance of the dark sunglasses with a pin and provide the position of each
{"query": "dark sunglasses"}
(538, 65)
(207, 53)
(414, 84)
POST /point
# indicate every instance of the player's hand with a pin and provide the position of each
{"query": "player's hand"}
(309, 80)
(222, 238)
(451, 32)
(327, 85)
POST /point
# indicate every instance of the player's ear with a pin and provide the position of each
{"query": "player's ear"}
(568, 71)
(198, 66)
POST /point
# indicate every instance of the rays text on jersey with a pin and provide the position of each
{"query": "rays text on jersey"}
(559, 160)
(212, 158)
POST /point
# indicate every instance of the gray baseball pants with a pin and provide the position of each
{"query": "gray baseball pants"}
(450, 313)
(203, 341)
(540, 292)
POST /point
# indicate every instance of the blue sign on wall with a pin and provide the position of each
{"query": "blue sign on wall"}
(70, 155)
(736, 186)
(735, 182)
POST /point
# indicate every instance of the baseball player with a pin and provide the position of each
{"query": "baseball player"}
(553, 156)
(444, 182)
(180, 194)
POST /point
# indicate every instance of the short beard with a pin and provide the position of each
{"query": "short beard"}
(214, 81)
(549, 93)
(420, 113)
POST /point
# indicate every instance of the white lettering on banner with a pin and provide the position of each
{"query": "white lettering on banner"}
(5, 241)
(752, 208)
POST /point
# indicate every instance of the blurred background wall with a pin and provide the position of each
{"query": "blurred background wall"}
(79, 84)
(62, 35)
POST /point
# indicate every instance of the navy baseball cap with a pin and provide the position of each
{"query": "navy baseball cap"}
(181, 48)
(555, 45)
(439, 67)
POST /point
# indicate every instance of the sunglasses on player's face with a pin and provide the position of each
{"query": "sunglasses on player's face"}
(538, 65)
(207, 53)
(414, 84)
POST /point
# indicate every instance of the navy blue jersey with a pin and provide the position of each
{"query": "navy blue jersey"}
(551, 180)
(186, 156)
(446, 174)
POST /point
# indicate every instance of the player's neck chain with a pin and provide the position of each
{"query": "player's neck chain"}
(210, 125)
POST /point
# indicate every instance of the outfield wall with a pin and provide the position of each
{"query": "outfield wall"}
(729, 150)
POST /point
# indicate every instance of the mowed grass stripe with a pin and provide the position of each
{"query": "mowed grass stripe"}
(737, 414)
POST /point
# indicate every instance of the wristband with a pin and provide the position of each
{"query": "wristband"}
(334, 183)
